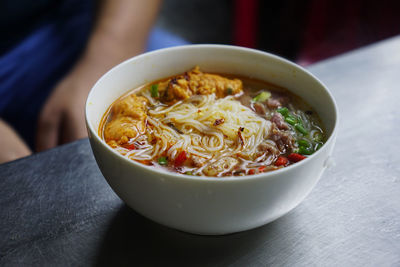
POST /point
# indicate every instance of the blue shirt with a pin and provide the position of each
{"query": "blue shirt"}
(35, 57)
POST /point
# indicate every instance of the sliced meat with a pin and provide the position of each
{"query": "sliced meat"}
(268, 149)
(283, 139)
(220, 166)
(277, 100)
(198, 161)
(245, 99)
(279, 121)
(260, 108)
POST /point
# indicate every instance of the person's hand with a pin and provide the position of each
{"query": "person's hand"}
(62, 117)
(12, 146)
(121, 32)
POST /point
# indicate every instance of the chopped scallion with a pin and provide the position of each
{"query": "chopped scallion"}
(154, 90)
(303, 142)
(284, 111)
(300, 128)
(291, 119)
(162, 161)
(305, 150)
(229, 91)
(318, 146)
(317, 137)
(262, 96)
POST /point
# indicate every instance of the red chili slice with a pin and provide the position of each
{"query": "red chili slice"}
(262, 169)
(180, 159)
(281, 161)
(252, 171)
(131, 146)
(294, 157)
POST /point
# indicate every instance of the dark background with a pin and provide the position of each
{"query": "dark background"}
(301, 30)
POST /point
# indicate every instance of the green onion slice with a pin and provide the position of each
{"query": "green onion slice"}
(303, 143)
(162, 161)
(305, 150)
(317, 137)
(318, 146)
(301, 129)
(284, 111)
(262, 96)
(291, 119)
(154, 90)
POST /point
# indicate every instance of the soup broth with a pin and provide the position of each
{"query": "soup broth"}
(216, 125)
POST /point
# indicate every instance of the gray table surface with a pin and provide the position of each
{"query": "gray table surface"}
(56, 208)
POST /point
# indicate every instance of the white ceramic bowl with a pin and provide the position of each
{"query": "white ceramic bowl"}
(207, 205)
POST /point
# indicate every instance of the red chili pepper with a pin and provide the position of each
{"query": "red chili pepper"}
(294, 157)
(252, 171)
(180, 159)
(262, 169)
(131, 146)
(281, 161)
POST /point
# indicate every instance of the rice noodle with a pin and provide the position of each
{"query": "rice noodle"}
(198, 134)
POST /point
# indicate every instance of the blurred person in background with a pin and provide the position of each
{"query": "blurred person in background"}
(52, 53)
(307, 31)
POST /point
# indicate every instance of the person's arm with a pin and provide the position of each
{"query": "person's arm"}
(12, 146)
(121, 32)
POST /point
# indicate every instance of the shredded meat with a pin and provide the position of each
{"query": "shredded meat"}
(277, 101)
(260, 108)
(245, 99)
(127, 121)
(197, 161)
(267, 148)
(277, 118)
(196, 82)
(283, 139)
(220, 166)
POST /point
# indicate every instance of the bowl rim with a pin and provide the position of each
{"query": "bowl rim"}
(93, 133)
